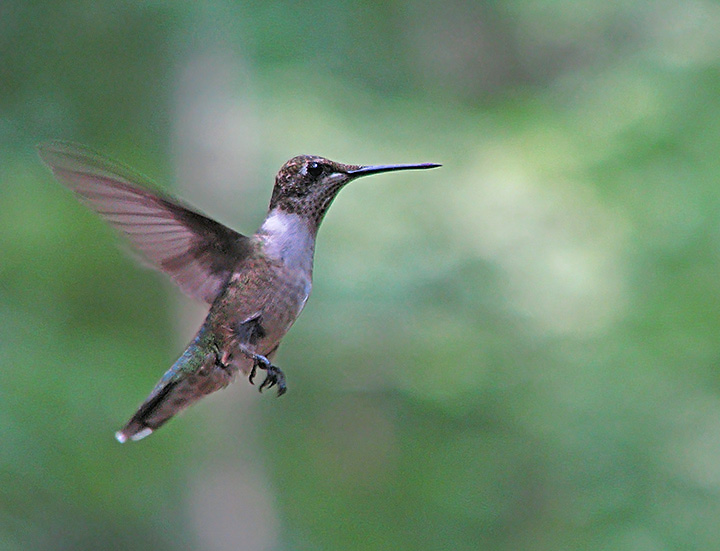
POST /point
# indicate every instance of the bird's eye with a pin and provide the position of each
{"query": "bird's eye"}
(315, 169)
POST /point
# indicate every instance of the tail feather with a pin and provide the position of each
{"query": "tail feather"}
(195, 374)
(146, 418)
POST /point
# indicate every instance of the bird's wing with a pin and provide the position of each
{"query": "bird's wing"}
(198, 253)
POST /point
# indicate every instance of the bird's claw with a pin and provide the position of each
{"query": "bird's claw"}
(222, 360)
(274, 376)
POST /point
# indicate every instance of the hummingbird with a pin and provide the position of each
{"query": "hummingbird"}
(256, 285)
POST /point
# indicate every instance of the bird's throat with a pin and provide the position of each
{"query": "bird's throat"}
(289, 238)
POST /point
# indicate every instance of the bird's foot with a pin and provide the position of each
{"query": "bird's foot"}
(222, 360)
(273, 374)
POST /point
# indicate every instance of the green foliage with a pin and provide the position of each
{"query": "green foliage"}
(516, 351)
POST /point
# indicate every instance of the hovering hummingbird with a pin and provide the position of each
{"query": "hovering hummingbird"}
(256, 286)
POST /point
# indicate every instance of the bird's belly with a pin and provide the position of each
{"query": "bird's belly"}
(282, 307)
(279, 311)
(257, 310)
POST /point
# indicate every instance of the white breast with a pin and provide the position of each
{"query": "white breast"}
(288, 238)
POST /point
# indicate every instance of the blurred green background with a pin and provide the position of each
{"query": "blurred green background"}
(520, 350)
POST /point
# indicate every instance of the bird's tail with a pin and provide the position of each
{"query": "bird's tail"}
(191, 377)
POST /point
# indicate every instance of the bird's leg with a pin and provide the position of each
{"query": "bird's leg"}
(222, 357)
(274, 376)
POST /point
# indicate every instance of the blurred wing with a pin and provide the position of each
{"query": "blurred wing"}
(198, 253)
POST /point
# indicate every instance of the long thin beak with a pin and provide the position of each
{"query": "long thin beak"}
(377, 169)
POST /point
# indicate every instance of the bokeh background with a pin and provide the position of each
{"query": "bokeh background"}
(520, 350)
